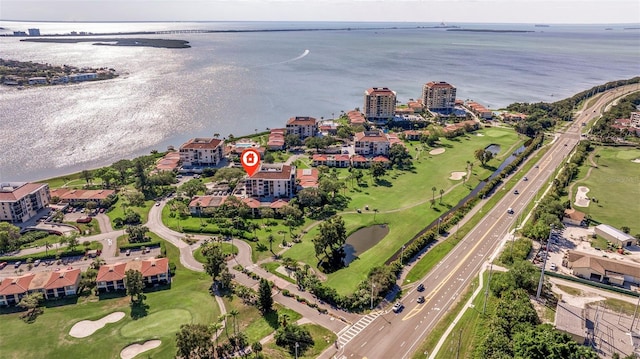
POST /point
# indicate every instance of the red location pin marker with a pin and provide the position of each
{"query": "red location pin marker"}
(250, 160)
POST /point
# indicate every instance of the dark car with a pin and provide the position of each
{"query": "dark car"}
(420, 299)
(420, 287)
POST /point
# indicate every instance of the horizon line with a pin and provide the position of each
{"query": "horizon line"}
(321, 21)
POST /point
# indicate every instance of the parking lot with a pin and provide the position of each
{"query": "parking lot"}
(577, 239)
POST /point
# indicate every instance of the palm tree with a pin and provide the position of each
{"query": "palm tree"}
(441, 193)
(223, 318)
(433, 190)
(47, 246)
(216, 328)
(234, 313)
(216, 135)
(271, 239)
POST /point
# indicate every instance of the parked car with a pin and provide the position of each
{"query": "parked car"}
(17, 264)
(420, 287)
(420, 299)
(397, 307)
(3, 264)
(128, 252)
(525, 179)
(553, 266)
(36, 262)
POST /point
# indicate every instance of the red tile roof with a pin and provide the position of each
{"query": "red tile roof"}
(207, 201)
(169, 162)
(371, 136)
(63, 278)
(19, 190)
(319, 157)
(440, 84)
(355, 117)
(278, 204)
(308, 177)
(111, 272)
(380, 159)
(154, 266)
(66, 194)
(339, 157)
(251, 202)
(16, 285)
(359, 158)
(302, 121)
(201, 143)
(379, 91)
(273, 171)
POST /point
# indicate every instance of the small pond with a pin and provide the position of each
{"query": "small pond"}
(363, 239)
(495, 149)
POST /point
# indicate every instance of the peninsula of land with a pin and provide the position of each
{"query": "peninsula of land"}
(19, 73)
(161, 43)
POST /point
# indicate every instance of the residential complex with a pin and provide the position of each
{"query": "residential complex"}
(155, 271)
(81, 196)
(439, 96)
(52, 285)
(272, 180)
(379, 104)
(371, 143)
(302, 127)
(19, 201)
(202, 152)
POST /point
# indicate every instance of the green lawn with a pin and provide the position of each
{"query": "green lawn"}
(187, 301)
(252, 322)
(272, 267)
(408, 210)
(260, 249)
(322, 337)
(613, 184)
(465, 334)
(227, 248)
(117, 210)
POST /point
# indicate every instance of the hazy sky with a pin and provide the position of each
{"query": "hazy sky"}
(503, 11)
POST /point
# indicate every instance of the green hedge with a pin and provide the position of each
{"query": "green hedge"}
(592, 283)
(43, 255)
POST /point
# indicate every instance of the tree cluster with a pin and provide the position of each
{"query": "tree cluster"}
(329, 242)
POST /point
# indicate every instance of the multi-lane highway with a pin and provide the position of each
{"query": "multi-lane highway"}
(392, 335)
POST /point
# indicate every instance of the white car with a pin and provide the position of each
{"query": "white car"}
(397, 307)
(553, 266)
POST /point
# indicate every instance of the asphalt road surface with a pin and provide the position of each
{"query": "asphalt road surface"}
(392, 335)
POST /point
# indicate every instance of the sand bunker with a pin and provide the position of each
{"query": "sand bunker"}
(637, 160)
(581, 197)
(479, 134)
(436, 151)
(85, 328)
(456, 176)
(132, 350)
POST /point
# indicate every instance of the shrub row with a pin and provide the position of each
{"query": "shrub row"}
(140, 245)
(42, 256)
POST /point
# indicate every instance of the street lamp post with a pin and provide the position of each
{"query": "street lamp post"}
(544, 263)
(372, 286)
(439, 220)
(402, 255)
(297, 350)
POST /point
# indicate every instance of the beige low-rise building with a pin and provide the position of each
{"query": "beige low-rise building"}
(614, 235)
(202, 152)
(20, 201)
(272, 180)
(52, 285)
(371, 143)
(602, 269)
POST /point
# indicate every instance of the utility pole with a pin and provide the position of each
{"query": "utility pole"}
(459, 340)
(544, 263)
(486, 291)
(372, 286)
(634, 316)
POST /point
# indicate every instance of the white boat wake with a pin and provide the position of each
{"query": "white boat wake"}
(304, 53)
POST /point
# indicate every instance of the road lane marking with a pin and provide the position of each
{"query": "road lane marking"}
(413, 312)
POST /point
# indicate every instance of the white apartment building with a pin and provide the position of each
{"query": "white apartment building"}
(439, 96)
(302, 127)
(272, 180)
(371, 143)
(202, 152)
(19, 201)
(379, 104)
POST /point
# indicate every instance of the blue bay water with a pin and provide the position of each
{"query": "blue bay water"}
(236, 83)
